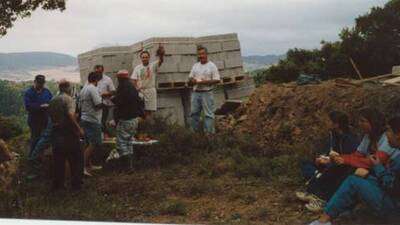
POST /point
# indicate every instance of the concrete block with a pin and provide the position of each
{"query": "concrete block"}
(212, 47)
(170, 65)
(241, 90)
(396, 70)
(173, 77)
(186, 63)
(164, 78)
(219, 97)
(233, 63)
(180, 48)
(230, 45)
(231, 72)
(231, 36)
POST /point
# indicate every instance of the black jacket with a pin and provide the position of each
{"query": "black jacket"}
(128, 104)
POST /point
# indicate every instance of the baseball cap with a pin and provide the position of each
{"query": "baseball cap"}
(40, 79)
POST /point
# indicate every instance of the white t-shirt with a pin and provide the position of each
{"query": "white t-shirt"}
(106, 85)
(208, 71)
(89, 98)
(145, 75)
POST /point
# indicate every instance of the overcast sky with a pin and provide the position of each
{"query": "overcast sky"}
(264, 26)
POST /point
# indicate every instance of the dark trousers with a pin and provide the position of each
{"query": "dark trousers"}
(329, 182)
(67, 148)
(36, 126)
(104, 119)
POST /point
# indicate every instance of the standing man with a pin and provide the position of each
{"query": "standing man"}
(36, 100)
(127, 113)
(204, 77)
(106, 89)
(91, 112)
(144, 79)
(65, 138)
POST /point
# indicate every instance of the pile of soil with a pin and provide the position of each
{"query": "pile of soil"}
(281, 117)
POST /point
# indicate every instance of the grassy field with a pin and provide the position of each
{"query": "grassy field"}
(186, 179)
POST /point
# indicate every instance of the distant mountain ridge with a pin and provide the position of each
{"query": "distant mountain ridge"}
(254, 62)
(34, 60)
(24, 65)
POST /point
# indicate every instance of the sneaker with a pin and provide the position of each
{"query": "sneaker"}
(87, 173)
(96, 167)
(305, 197)
(316, 222)
(316, 205)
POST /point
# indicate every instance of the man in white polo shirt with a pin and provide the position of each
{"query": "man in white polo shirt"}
(204, 77)
(106, 89)
(144, 79)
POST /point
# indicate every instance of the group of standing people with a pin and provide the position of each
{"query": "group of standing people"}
(68, 122)
(350, 170)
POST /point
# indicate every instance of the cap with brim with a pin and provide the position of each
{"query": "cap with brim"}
(40, 79)
(123, 74)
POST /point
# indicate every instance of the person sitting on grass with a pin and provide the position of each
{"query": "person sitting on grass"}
(127, 113)
(372, 123)
(324, 177)
(379, 189)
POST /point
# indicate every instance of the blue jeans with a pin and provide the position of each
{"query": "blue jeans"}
(43, 142)
(355, 188)
(202, 101)
(92, 133)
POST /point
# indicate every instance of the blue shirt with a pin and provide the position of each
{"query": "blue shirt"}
(33, 100)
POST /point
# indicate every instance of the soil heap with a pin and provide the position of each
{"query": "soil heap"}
(284, 117)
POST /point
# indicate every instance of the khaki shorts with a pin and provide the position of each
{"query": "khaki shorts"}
(150, 99)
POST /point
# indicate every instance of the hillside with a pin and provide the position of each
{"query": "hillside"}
(34, 61)
(25, 65)
(254, 62)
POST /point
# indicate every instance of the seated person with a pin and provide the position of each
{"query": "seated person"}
(341, 141)
(372, 123)
(380, 190)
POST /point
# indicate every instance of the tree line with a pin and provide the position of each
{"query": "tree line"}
(373, 44)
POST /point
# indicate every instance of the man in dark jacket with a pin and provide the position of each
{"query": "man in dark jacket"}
(36, 100)
(127, 113)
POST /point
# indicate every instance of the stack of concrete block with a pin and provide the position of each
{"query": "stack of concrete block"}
(396, 70)
(181, 55)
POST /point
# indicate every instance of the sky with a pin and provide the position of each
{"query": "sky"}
(264, 26)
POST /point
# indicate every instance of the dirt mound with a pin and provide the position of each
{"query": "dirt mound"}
(281, 117)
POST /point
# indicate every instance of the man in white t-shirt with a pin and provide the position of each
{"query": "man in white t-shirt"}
(144, 79)
(106, 89)
(204, 77)
(91, 111)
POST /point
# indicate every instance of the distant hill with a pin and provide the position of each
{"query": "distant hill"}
(25, 65)
(254, 62)
(34, 60)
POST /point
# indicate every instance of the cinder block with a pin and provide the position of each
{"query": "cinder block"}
(231, 72)
(230, 45)
(170, 65)
(231, 36)
(233, 55)
(233, 63)
(164, 78)
(186, 63)
(212, 47)
(219, 97)
(241, 90)
(396, 70)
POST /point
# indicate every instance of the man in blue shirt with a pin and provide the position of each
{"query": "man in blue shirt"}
(36, 100)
